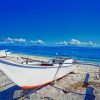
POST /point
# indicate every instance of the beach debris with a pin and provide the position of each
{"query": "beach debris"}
(47, 98)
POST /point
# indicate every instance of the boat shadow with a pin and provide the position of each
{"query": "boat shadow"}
(14, 93)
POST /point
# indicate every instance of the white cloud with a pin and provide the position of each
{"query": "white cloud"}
(80, 43)
(76, 42)
(22, 41)
(62, 43)
(91, 43)
(37, 42)
(12, 40)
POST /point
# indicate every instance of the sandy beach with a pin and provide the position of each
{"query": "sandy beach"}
(71, 87)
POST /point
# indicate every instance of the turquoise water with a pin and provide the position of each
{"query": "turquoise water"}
(88, 54)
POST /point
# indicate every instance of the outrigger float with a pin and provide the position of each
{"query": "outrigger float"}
(35, 73)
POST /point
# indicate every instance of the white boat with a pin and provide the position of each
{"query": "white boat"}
(38, 73)
(4, 53)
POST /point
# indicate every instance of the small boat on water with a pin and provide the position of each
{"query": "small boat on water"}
(33, 74)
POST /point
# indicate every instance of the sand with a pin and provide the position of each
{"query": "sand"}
(72, 84)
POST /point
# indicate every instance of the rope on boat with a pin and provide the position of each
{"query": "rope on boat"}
(67, 91)
(57, 72)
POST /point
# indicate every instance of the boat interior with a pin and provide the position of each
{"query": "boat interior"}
(29, 61)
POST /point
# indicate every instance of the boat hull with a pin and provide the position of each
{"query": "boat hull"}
(32, 77)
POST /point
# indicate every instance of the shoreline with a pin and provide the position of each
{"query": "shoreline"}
(41, 58)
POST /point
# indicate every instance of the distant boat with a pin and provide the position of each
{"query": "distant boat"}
(35, 74)
(4, 53)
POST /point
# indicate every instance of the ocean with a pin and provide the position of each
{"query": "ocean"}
(87, 54)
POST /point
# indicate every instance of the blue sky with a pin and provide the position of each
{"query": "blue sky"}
(50, 20)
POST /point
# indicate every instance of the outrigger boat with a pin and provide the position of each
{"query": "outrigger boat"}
(36, 73)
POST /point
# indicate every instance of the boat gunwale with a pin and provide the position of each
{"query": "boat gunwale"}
(30, 66)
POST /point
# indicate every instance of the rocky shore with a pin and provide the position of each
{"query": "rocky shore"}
(71, 87)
